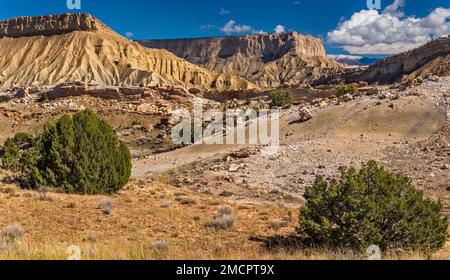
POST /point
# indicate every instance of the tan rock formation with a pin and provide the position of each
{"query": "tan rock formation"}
(269, 60)
(431, 59)
(48, 25)
(50, 50)
(79, 88)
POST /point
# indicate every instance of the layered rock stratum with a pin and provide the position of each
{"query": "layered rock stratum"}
(269, 60)
(48, 25)
(430, 59)
(49, 50)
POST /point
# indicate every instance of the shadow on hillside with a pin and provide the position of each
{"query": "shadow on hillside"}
(15, 180)
(299, 121)
(290, 243)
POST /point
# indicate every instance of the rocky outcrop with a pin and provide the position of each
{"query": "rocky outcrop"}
(84, 49)
(269, 60)
(269, 46)
(80, 88)
(47, 25)
(430, 59)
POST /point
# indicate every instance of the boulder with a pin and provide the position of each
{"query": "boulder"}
(105, 92)
(67, 89)
(434, 78)
(132, 90)
(346, 98)
(305, 114)
(234, 168)
(362, 84)
(244, 153)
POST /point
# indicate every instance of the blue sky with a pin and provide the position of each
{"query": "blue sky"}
(181, 18)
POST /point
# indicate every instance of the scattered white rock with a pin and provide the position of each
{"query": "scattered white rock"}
(234, 167)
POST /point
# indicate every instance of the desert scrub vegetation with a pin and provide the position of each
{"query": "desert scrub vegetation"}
(136, 123)
(372, 206)
(12, 232)
(281, 98)
(106, 205)
(224, 218)
(79, 154)
(347, 89)
(165, 203)
(10, 153)
(160, 245)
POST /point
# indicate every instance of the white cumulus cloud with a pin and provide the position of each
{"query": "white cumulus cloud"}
(129, 34)
(395, 8)
(280, 29)
(389, 32)
(345, 56)
(232, 27)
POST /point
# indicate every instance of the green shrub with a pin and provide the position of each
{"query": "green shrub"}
(11, 152)
(257, 109)
(281, 98)
(10, 156)
(136, 123)
(371, 206)
(79, 154)
(23, 140)
(347, 89)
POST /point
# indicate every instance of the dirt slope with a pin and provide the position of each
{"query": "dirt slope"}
(369, 127)
(92, 53)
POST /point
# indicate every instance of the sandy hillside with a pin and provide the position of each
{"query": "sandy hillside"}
(98, 55)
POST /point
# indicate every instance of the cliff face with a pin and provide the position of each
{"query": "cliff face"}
(266, 59)
(47, 25)
(44, 51)
(269, 46)
(430, 59)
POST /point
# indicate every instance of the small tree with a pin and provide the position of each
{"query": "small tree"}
(281, 98)
(23, 140)
(372, 206)
(79, 154)
(10, 156)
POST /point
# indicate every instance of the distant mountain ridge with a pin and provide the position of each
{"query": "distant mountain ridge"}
(432, 58)
(354, 60)
(269, 60)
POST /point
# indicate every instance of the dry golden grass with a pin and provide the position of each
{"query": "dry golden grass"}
(55, 221)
